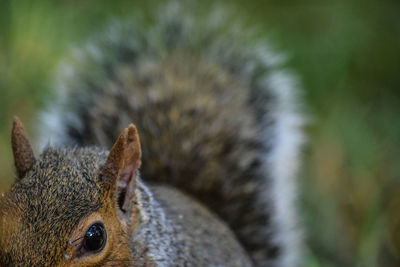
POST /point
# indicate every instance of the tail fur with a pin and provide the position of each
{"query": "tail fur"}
(217, 114)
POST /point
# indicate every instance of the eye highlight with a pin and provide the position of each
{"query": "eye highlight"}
(95, 239)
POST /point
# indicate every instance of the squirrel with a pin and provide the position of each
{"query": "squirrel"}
(202, 174)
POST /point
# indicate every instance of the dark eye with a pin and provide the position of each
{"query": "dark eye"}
(95, 238)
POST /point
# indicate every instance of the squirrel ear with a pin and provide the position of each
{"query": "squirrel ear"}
(22, 150)
(121, 168)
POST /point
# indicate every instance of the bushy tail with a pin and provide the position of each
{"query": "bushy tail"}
(216, 114)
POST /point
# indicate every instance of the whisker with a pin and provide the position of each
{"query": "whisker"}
(72, 242)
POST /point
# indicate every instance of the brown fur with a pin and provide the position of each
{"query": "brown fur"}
(45, 215)
(218, 121)
(22, 150)
(26, 222)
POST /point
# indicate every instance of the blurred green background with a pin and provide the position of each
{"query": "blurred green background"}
(347, 56)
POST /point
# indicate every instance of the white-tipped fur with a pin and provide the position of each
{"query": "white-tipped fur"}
(153, 216)
(282, 162)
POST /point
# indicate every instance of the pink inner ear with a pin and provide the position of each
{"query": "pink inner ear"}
(128, 174)
(126, 177)
(120, 171)
(126, 188)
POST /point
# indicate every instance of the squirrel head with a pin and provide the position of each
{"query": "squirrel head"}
(70, 207)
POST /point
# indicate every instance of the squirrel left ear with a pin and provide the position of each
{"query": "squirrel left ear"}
(120, 171)
(22, 150)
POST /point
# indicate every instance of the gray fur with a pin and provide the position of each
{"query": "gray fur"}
(217, 115)
(63, 187)
(173, 231)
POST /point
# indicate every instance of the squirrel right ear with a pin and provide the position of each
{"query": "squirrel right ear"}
(120, 171)
(22, 150)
